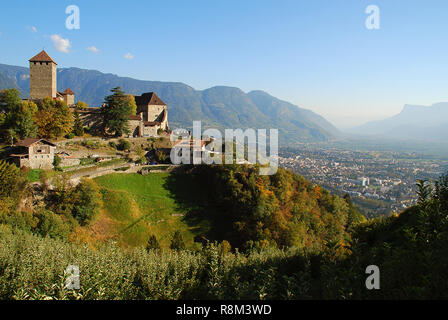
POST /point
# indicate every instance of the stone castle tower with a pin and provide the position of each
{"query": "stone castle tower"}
(42, 76)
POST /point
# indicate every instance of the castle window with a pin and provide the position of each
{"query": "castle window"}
(46, 63)
(40, 63)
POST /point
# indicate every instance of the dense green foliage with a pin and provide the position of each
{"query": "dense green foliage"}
(56, 213)
(118, 106)
(16, 116)
(123, 145)
(78, 128)
(248, 210)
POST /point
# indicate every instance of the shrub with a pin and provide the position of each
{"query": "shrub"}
(112, 144)
(71, 135)
(91, 144)
(123, 144)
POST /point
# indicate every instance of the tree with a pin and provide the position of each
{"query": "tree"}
(86, 202)
(354, 216)
(9, 100)
(115, 112)
(78, 128)
(53, 118)
(81, 105)
(17, 116)
(152, 244)
(141, 155)
(56, 161)
(177, 242)
(13, 184)
(130, 100)
(51, 225)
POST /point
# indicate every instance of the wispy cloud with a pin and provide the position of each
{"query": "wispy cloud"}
(32, 29)
(129, 56)
(93, 49)
(60, 44)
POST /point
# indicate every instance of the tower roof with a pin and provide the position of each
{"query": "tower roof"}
(68, 91)
(42, 57)
(149, 98)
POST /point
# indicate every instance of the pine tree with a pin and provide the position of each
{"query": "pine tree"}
(116, 110)
(177, 243)
(152, 244)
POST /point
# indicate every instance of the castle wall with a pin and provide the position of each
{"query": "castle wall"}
(69, 99)
(154, 112)
(134, 127)
(42, 80)
(150, 131)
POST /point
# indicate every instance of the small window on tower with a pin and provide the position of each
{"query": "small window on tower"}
(40, 63)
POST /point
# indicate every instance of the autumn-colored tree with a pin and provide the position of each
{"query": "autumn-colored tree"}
(80, 105)
(53, 118)
(130, 100)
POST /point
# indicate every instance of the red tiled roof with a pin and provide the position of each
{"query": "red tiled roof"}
(30, 141)
(42, 57)
(68, 91)
(149, 98)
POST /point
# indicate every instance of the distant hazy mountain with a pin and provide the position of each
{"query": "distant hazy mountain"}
(221, 107)
(413, 122)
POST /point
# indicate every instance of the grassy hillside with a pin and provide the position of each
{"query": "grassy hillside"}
(139, 206)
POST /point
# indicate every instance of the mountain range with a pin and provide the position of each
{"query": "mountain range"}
(219, 107)
(414, 122)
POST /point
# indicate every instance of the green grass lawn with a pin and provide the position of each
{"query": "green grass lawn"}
(34, 175)
(144, 205)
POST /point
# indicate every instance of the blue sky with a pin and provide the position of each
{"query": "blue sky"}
(316, 54)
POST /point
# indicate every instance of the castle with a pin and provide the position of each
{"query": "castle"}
(43, 80)
(151, 117)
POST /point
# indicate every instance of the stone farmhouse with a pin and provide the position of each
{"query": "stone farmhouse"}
(34, 154)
